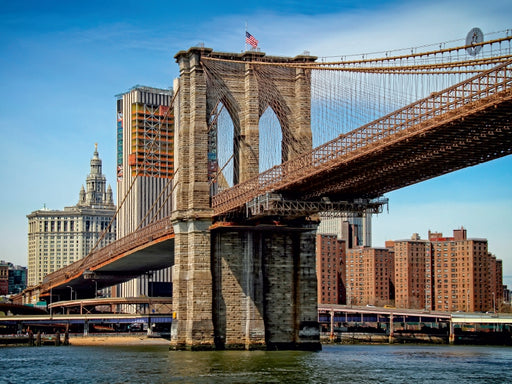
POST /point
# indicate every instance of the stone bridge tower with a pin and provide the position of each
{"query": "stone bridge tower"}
(240, 285)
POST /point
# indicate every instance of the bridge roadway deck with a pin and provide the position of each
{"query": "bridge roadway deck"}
(148, 249)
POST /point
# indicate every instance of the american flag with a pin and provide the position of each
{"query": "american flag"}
(249, 39)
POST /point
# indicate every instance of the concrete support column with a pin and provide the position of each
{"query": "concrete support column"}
(391, 332)
(451, 338)
(331, 335)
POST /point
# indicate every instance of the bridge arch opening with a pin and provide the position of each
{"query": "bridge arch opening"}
(222, 148)
(270, 134)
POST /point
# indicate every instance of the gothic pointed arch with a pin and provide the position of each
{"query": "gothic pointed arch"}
(220, 102)
(270, 135)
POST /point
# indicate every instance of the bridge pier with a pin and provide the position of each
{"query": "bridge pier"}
(451, 337)
(391, 329)
(264, 280)
(192, 326)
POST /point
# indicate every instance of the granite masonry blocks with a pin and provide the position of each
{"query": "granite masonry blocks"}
(243, 288)
(258, 282)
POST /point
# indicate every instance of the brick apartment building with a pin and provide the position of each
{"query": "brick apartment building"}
(447, 274)
(465, 276)
(411, 271)
(369, 276)
(440, 273)
(330, 269)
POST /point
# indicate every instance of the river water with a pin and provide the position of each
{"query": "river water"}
(334, 364)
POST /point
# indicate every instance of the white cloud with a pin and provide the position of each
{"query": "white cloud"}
(355, 31)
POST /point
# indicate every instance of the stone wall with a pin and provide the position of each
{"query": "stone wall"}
(264, 280)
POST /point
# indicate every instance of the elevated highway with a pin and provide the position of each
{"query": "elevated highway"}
(416, 325)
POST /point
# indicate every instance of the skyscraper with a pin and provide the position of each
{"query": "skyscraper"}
(145, 167)
(57, 238)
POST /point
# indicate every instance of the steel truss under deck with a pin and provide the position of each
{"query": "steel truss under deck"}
(272, 204)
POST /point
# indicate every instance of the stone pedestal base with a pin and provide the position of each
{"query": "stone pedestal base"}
(264, 285)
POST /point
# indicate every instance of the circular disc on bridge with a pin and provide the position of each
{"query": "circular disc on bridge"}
(473, 37)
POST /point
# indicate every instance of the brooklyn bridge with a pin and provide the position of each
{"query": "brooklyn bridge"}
(264, 145)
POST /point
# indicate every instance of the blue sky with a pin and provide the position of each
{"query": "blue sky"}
(63, 62)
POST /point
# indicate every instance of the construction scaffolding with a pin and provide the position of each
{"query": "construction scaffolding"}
(152, 146)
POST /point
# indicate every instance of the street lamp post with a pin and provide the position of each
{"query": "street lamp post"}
(71, 288)
(90, 275)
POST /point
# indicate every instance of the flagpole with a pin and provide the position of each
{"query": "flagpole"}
(245, 37)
